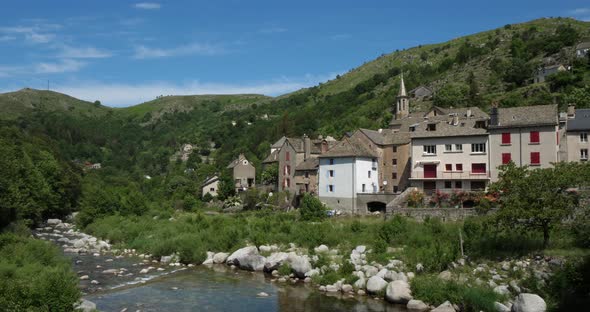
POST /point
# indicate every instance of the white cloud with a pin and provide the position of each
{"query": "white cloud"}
(62, 66)
(147, 5)
(121, 94)
(143, 52)
(36, 34)
(39, 38)
(580, 11)
(9, 71)
(83, 52)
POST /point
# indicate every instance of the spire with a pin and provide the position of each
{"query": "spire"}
(402, 87)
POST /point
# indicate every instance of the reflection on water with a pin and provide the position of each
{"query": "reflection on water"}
(220, 289)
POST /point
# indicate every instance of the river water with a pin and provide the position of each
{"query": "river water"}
(201, 288)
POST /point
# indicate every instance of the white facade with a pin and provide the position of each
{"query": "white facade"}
(578, 145)
(450, 163)
(342, 178)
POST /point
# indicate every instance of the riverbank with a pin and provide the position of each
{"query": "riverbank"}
(404, 260)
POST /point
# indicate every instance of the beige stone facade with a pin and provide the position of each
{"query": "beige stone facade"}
(244, 173)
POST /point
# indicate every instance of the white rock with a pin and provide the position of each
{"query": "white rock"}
(382, 273)
(299, 264)
(94, 282)
(250, 250)
(445, 275)
(251, 262)
(110, 271)
(84, 277)
(144, 271)
(419, 267)
(262, 294)
(500, 307)
(86, 306)
(346, 288)
(502, 290)
(445, 307)
(53, 221)
(360, 249)
(360, 283)
(376, 284)
(331, 288)
(79, 243)
(166, 259)
(312, 273)
(275, 260)
(398, 292)
(370, 270)
(220, 257)
(529, 303)
(321, 249)
(514, 286)
(410, 275)
(416, 305)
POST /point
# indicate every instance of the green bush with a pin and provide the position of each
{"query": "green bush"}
(311, 208)
(284, 269)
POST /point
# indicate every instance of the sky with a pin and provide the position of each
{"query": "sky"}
(127, 52)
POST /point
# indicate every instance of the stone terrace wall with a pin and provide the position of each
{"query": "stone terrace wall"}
(445, 214)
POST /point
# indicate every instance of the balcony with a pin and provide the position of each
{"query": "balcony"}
(450, 175)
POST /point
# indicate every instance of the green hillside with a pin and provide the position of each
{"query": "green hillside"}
(25, 101)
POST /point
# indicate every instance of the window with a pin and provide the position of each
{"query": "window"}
(584, 137)
(331, 188)
(458, 184)
(288, 182)
(307, 174)
(506, 158)
(506, 138)
(534, 137)
(448, 147)
(448, 167)
(478, 148)
(478, 185)
(394, 175)
(584, 154)
(363, 187)
(331, 161)
(369, 174)
(331, 173)
(431, 127)
(459, 167)
(478, 168)
(448, 184)
(430, 149)
(287, 156)
(395, 149)
(394, 161)
(288, 170)
(212, 189)
(535, 158)
(459, 147)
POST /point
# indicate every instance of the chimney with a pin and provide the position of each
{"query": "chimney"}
(494, 114)
(571, 111)
(455, 119)
(380, 130)
(469, 112)
(306, 146)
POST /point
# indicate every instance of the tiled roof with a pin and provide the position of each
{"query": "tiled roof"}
(524, 116)
(583, 45)
(311, 163)
(387, 136)
(445, 127)
(272, 157)
(349, 147)
(210, 180)
(236, 161)
(580, 122)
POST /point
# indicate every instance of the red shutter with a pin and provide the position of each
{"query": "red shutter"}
(287, 156)
(459, 167)
(506, 158)
(535, 158)
(534, 136)
(478, 168)
(448, 167)
(506, 138)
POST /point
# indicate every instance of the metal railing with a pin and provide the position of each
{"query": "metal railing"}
(450, 175)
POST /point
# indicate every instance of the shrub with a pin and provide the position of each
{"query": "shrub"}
(311, 208)
(415, 198)
(284, 269)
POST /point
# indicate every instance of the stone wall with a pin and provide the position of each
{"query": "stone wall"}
(445, 214)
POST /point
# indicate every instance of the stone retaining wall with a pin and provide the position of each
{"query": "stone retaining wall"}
(445, 214)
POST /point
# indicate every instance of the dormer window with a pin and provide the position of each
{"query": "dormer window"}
(431, 127)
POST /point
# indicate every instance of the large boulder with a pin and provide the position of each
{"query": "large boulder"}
(416, 305)
(251, 262)
(445, 275)
(242, 252)
(209, 259)
(375, 284)
(501, 307)
(502, 290)
(321, 249)
(360, 283)
(275, 260)
(220, 257)
(398, 292)
(529, 303)
(53, 221)
(445, 307)
(85, 305)
(299, 264)
(79, 243)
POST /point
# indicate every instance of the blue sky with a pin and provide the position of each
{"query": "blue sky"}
(127, 52)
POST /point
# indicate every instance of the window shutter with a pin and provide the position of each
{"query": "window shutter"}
(534, 136)
(506, 138)
(506, 158)
(535, 158)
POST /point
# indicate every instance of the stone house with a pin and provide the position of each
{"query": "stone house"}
(577, 130)
(393, 151)
(450, 151)
(306, 176)
(211, 186)
(243, 172)
(526, 135)
(582, 49)
(345, 171)
(421, 92)
(542, 73)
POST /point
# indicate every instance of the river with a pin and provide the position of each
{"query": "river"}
(116, 284)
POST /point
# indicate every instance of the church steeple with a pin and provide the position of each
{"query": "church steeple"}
(402, 107)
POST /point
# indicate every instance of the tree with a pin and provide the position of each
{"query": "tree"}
(538, 199)
(311, 208)
(270, 175)
(452, 94)
(227, 187)
(474, 96)
(579, 97)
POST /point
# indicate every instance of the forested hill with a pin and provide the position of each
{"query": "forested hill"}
(495, 65)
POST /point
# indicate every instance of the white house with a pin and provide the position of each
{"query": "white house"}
(347, 169)
(211, 186)
(451, 152)
(578, 128)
